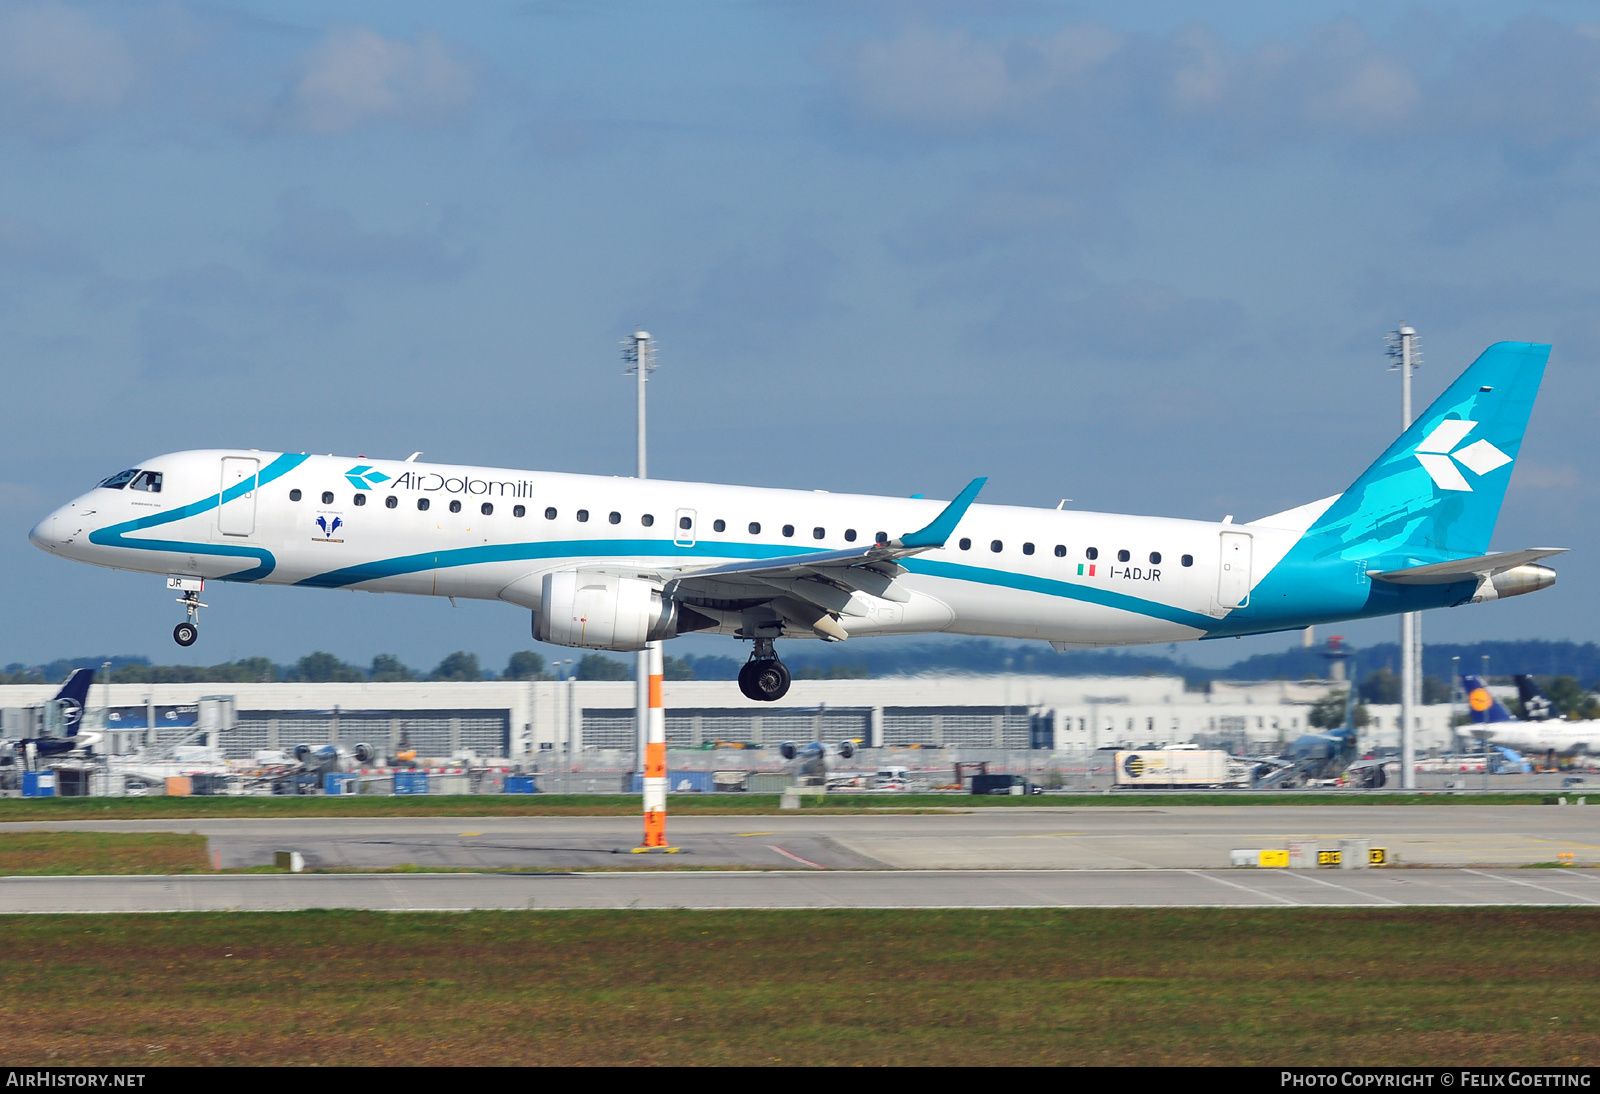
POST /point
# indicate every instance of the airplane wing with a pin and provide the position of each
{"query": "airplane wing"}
(1443, 573)
(808, 592)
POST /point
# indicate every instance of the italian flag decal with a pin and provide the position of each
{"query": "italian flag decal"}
(1080, 569)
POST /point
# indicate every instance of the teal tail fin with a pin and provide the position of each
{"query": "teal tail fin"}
(1435, 494)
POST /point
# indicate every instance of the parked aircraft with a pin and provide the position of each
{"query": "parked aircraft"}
(70, 702)
(612, 563)
(1546, 732)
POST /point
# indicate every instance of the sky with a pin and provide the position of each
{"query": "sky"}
(1139, 256)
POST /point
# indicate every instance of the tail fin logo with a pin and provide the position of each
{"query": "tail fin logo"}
(1439, 455)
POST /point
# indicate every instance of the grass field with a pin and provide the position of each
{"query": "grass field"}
(628, 805)
(102, 853)
(1202, 986)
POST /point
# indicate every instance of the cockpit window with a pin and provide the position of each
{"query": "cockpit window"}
(147, 480)
(117, 482)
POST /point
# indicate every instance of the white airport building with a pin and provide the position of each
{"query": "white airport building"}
(545, 719)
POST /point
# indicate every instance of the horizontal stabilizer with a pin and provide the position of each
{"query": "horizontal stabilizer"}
(1446, 573)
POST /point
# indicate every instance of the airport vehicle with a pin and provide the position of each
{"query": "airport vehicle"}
(613, 563)
(64, 731)
(1175, 767)
(1550, 733)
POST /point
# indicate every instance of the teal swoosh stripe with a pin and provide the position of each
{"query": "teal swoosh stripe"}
(115, 535)
(1090, 594)
(527, 552)
(647, 548)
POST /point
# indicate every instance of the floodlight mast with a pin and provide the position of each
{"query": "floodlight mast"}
(1403, 351)
(650, 720)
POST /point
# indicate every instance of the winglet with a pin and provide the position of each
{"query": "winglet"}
(937, 532)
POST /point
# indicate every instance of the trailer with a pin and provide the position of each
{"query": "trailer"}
(1174, 768)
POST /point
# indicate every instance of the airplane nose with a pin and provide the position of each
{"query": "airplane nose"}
(50, 533)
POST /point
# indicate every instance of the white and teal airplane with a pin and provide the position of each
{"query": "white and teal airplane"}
(614, 563)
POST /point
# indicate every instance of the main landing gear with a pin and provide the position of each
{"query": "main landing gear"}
(185, 633)
(764, 678)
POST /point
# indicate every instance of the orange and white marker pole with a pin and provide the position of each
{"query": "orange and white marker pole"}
(655, 759)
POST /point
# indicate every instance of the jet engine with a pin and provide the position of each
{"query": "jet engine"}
(789, 750)
(603, 611)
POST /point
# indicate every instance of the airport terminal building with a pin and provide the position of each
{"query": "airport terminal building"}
(589, 720)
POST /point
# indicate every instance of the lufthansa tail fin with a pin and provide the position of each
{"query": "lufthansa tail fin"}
(1435, 494)
(1481, 701)
(1536, 705)
(74, 697)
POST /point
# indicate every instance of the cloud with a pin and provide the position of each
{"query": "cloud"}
(1531, 83)
(18, 497)
(61, 69)
(29, 250)
(746, 297)
(1137, 320)
(356, 77)
(328, 241)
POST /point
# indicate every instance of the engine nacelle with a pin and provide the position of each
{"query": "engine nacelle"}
(1516, 581)
(365, 753)
(603, 612)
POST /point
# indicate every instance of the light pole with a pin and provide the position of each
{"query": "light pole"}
(650, 722)
(1402, 349)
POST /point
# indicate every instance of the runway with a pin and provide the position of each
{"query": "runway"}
(1003, 838)
(807, 889)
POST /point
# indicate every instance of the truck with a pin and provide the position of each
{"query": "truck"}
(1172, 767)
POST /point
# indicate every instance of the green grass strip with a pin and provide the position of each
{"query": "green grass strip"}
(1116, 986)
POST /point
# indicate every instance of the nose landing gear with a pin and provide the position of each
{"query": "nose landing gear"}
(185, 633)
(764, 678)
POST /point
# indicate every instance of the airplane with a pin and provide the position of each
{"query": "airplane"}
(1544, 731)
(71, 701)
(613, 563)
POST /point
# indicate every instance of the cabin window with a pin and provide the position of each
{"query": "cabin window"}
(123, 478)
(685, 523)
(718, 525)
(615, 518)
(422, 505)
(1155, 558)
(550, 513)
(849, 535)
(1123, 556)
(647, 520)
(388, 503)
(965, 545)
(360, 499)
(327, 497)
(147, 480)
(755, 528)
(294, 495)
(519, 510)
(487, 508)
(818, 533)
(1061, 550)
(880, 537)
(1027, 548)
(788, 530)
(1091, 553)
(1187, 560)
(996, 546)
(455, 506)
(583, 515)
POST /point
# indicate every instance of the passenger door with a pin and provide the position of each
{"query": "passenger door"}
(236, 511)
(1233, 573)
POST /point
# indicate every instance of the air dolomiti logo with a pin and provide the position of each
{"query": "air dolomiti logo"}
(1439, 456)
(363, 477)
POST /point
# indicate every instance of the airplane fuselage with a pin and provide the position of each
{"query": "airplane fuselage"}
(1072, 578)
